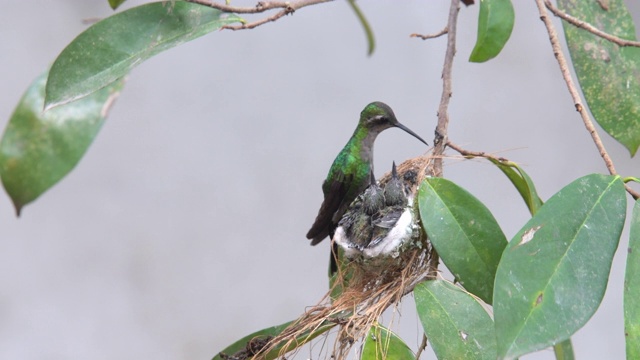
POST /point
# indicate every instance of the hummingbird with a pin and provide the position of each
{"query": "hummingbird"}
(355, 229)
(350, 172)
(392, 224)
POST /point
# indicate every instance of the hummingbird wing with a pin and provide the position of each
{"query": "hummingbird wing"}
(384, 222)
(389, 218)
(334, 193)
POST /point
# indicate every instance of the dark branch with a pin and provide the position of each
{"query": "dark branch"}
(423, 345)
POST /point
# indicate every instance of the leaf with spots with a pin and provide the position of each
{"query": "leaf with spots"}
(464, 232)
(109, 49)
(39, 147)
(554, 273)
(456, 324)
(632, 288)
(608, 74)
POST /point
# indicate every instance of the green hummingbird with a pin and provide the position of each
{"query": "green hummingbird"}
(351, 169)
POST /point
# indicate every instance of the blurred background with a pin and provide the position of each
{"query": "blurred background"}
(183, 228)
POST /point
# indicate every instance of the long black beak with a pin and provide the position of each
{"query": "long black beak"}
(410, 132)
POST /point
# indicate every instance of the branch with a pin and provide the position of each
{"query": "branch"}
(423, 346)
(586, 119)
(443, 114)
(431, 36)
(564, 69)
(474, 154)
(588, 27)
(262, 6)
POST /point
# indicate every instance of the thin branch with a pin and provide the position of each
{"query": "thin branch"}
(441, 133)
(435, 167)
(588, 27)
(423, 345)
(473, 154)
(633, 193)
(431, 36)
(564, 69)
(586, 119)
(287, 7)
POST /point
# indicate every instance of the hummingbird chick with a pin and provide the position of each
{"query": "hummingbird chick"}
(378, 222)
(355, 229)
(392, 226)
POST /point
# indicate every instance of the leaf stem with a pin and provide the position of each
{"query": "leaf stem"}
(423, 345)
(564, 350)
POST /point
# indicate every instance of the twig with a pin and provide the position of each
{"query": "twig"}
(423, 345)
(472, 154)
(431, 36)
(633, 193)
(586, 119)
(564, 69)
(443, 113)
(287, 7)
(588, 27)
(435, 167)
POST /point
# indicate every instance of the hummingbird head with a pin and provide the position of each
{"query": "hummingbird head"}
(394, 190)
(373, 197)
(378, 116)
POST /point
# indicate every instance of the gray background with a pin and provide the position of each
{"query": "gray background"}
(182, 229)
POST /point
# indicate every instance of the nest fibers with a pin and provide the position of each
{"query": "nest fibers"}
(363, 287)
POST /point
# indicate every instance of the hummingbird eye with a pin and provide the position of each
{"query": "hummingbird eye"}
(378, 119)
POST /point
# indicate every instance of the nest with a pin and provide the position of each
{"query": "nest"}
(363, 288)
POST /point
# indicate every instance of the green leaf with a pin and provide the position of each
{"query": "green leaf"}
(371, 42)
(607, 73)
(110, 48)
(382, 344)
(632, 288)
(39, 148)
(553, 274)
(258, 338)
(564, 350)
(456, 325)
(523, 183)
(115, 3)
(463, 231)
(241, 344)
(495, 23)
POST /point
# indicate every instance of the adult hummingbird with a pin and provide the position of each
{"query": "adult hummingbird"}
(351, 169)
